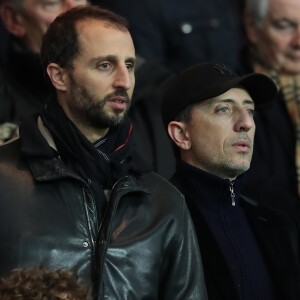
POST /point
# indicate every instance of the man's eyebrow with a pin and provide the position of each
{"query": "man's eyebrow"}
(131, 60)
(248, 101)
(103, 58)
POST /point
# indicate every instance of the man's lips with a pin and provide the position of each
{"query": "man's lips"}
(118, 102)
(242, 145)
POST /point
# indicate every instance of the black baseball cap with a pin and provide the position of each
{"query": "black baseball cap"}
(207, 80)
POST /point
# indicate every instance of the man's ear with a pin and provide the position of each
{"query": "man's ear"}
(58, 76)
(12, 20)
(179, 134)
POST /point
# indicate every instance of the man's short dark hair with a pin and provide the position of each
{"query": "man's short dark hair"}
(60, 42)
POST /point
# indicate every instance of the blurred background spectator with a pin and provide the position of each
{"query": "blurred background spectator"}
(23, 89)
(273, 31)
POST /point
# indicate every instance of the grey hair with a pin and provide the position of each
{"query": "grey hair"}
(257, 9)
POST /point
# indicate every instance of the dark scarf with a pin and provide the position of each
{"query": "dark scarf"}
(99, 167)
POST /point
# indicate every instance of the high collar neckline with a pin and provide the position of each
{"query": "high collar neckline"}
(209, 189)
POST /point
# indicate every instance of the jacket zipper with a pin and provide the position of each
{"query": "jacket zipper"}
(232, 194)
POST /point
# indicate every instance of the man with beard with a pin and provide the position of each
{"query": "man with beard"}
(74, 192)
(249, 252)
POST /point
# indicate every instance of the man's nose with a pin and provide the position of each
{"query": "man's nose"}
(122, 78)
(244, 121)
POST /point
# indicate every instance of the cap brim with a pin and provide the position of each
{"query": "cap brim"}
(260, 87)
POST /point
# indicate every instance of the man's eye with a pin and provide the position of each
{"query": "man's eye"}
(130, 66)
(251, 112)
(50, 5)
(222, 110)
(103, 66)
(284, 25)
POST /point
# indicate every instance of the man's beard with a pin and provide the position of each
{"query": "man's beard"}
(90, 110)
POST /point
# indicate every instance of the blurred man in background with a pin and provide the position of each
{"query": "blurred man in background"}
(273, 31)
(23, 88)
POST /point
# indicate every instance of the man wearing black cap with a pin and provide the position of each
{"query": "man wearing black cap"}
(249, 252)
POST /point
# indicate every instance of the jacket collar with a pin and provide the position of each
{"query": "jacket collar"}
(212, 188)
